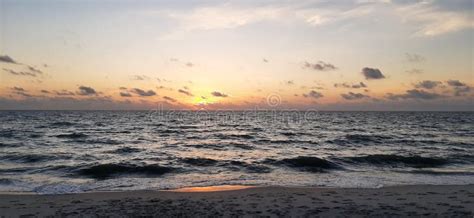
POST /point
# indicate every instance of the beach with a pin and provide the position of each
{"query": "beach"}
(398, 201)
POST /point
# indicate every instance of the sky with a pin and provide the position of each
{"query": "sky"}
(235, 55)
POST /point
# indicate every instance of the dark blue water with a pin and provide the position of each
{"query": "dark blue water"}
(80, 151)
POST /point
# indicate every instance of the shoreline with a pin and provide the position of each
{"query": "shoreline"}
(409, 200)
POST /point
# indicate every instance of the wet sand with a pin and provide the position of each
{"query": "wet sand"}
(398, 201)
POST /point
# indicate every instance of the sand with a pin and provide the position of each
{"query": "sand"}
(398, 201)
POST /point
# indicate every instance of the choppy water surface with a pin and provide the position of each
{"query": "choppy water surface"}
(67, 151)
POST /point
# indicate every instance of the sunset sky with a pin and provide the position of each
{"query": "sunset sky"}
(323, 55)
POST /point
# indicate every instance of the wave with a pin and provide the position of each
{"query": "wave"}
(234, 136)
(72, 135)
(126, 150)
(104, 171)
(32, 158)
(61, 124)
(360, 138)
(433, 172)
(395, 160)
(247, 167)
(202, 162)
(7, 133)
(306, 163)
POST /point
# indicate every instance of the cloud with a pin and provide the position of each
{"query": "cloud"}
(45, 91)
(185, 92)
(219, 94)
(64, 93)
(427, 84)
(19, 73)
(433, 18)
(18, 89)
(169, 99)
(84, 90)
(455, 83)
(460, 88)
(313, 94)
(354, 96)
(7, 59)
(125, 94)
(319, 66)
(372, 73)
(289, 82)
(189, 64)
(34, 70)
(349, 86)
(415, 71)
(414, 58)
(415, 94)
(142, 92)
(139, 77)
(265, 60)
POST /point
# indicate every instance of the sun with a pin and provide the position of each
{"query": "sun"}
(201, 100)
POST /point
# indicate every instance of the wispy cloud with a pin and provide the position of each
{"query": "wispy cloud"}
(19, 73)
(434, 19)
(169, 99)
(319, 66)
(185, 92)
(414, 58)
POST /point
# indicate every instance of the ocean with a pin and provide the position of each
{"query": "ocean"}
(53, 152)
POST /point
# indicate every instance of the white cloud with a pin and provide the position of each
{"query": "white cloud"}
(428, 18)
(433, 21)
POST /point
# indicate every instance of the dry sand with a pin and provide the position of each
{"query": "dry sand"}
(403, 201)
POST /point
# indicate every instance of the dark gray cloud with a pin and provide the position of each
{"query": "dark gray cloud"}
(460, 88)
(19, 73)
(455, 83)
(219, 94)
(185, 92)
(319, 66)
(45, 91)
(169, 99)
(427, 84)
(142, 92)
(414, 58)
(354, 96)
(415, 94)
(125, 94)
(7, 59)
(85, 90)
(372, 73)
(350, 86)
(313, 94)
